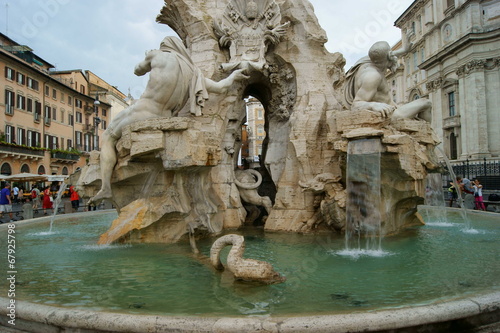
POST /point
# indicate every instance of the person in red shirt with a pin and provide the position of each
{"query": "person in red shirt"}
(74, 198)
(47, 202)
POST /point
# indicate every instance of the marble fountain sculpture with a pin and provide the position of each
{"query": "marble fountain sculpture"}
(185, 151)
(337, 153)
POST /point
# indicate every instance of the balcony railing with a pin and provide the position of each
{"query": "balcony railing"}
(15, 149)
(65, 156)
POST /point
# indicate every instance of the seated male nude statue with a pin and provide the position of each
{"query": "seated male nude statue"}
(367, 87)
(173, 79)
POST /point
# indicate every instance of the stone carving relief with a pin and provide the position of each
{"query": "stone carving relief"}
(478, 65)
(247, 28)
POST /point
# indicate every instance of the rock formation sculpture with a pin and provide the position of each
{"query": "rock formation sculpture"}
(242, 269)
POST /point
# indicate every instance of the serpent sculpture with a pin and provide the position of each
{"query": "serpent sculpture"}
(247, 186)
(242, 269)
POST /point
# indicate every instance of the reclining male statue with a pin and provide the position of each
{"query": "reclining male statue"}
(367, 87)
(174, 78)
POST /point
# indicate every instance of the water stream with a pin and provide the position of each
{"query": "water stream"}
(468, 225)
(57, 202)
(363, 224)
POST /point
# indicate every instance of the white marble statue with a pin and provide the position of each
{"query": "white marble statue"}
(247, 28)
(367, 87)
(174, 79)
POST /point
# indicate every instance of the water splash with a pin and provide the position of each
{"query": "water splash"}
(57, 202)
(355, 254)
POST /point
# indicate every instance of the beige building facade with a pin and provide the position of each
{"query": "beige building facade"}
(49, 119)
(455, 62)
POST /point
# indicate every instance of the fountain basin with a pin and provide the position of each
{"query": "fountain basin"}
(124, 297)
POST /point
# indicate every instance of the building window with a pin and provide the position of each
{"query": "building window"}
(29, 105)
(21, 102)
(82, 89)
(33, 139)
(10, 74)
(103, 124)
(78, 103)
(415, 61)
(78, 140)
(450, 3)
(422, 54)
(21, 136)
(453, 147)
(6, 169)
(260, 114)
(47, 114)
(104, 112)
(9, 134)
(70, 100)
(62, 117)
(69, 143)
(70, 119)
(33, 84)
(451, 104)
(41, 170)
(54, 94)
(65, 171)
(25, 168)
(21, 78)
(47, 91)
(9, 101)
(79, 117)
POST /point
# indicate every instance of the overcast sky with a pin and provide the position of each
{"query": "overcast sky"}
(109, 37)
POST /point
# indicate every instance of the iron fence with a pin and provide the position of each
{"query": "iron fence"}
(487, 171)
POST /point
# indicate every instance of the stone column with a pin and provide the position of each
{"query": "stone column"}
(473, 110)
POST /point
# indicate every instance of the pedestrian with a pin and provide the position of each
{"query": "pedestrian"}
(452, 194)
(47, 200)
(478, 195)
(15, 192)
(6, 202)
(74, 198)
(20, 197)
(466, 192)
(35, 197)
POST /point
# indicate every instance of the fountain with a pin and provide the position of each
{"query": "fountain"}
(145, 267)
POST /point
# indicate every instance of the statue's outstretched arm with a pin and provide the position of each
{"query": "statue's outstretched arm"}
(222, 86)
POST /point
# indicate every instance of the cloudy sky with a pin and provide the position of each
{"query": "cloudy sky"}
(109, 37)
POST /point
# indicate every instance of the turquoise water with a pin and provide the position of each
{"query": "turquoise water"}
(424, 264)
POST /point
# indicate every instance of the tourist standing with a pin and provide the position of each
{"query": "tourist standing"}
(47, 200)
(75, 198)
(20, 197)
(467, 192)
(478, 195)
(5, 201)
(35, 197)
(15, 191)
